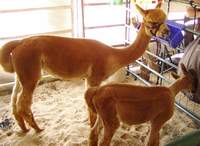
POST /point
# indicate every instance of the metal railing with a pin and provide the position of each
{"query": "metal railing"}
(7, 87)
(54, 8)
(85, 28)
(185, 109)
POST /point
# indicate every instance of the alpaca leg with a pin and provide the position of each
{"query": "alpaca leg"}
(109, 130)
(24, 106)
(24, 100)
(27, 63)
(107, 111)
(94, 133)
(156, 125)
(154, 137)
(17, 116)
(93, 137)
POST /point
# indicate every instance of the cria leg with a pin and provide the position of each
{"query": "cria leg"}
(156, 125)
(93, 137)
(154, 136)
(107, 111)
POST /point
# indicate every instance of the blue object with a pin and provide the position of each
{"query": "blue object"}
(175, 37)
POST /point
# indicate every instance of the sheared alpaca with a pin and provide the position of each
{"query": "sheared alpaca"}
(69, 58)
(133, 104)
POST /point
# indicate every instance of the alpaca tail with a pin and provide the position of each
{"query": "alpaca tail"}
(5, 55)
(97, 123)
(89, 96)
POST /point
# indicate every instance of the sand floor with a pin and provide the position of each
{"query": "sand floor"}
(60, 109)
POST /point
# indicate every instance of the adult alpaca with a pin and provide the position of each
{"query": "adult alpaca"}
(70, 58)
(133, 104)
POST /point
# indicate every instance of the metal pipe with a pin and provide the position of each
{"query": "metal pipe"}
(7, 87)
(189, 113)
(104, 26)
(43, 33)
(153, 71)
(192, 31)
(140, 78)
(83, 17)
(161, 59)
(98, 4)
(36, 9)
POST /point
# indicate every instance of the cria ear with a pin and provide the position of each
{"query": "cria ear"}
(183, 68)
(174, 75)
(158, 5)
(194, 78)
(141, 11)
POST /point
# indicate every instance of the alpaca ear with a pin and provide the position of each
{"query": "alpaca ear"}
(194, 77)
(193, 73)
(174, 75)
(159, 5)
(141, 11)
(183, 68)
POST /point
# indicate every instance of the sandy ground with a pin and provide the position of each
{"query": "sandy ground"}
(60, 109)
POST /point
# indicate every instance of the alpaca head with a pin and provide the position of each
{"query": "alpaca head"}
(189, 76)
(154, 21)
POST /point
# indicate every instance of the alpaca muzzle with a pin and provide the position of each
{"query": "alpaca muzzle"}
(163, 31)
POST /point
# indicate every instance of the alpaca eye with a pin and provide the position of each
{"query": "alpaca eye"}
(153, 25)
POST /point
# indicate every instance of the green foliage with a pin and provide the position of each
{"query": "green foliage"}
(117, 2)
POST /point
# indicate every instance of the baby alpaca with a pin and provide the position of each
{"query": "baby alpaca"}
(133, 104)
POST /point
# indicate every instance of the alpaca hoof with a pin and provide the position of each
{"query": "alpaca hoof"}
(25, 130)
(38, 130)
(92, 143)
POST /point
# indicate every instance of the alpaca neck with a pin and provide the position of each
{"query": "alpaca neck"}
(179, 85)
(136, 49)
